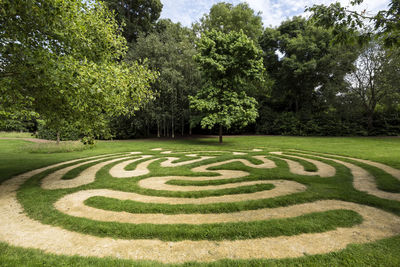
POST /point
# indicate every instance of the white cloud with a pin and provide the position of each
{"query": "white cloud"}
(273, 11)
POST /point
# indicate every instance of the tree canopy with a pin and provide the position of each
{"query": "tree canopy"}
(136, 15)
(59, 58)
(375, 77)
(304, 64)
(229, 62)
(226, 17)
(349, 24)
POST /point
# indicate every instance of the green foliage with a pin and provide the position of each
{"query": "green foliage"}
(309, 69)
(68, 73)
(67, 132)
(387, 22)
(230, 63)
(170, 51)
(374, 79)
(88, 140)
(225, 107)
(136, 16)
(65, 62)
(350, 25)
(22, 121)
(225, 17)
(327, 124)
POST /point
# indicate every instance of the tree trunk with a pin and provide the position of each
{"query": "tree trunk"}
(158, 128)
(370, 122)
(183, 126)
(220, 133)
(167, 129)
(172, 127)
(58, 137)
(190, 124)
(164, 126)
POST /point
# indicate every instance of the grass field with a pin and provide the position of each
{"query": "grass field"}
(15, 135)
(198, 201)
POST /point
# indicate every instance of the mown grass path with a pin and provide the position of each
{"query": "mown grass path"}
(209, 206)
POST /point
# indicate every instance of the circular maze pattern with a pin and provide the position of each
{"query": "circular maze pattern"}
(169, 181)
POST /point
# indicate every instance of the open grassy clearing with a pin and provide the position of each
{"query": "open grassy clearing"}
(38, 202)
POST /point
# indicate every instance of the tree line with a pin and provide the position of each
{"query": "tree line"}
(114, 69)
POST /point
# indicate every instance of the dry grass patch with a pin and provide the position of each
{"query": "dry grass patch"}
(53, 147)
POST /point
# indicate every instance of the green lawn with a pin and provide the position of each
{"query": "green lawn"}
(15, 135)
(15, 158)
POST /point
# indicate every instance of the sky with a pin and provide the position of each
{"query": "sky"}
(273, 12)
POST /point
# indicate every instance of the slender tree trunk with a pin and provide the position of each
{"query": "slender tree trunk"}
(220, 133)
(164, 131)
(370, 122)
(147, 128)
(58, 137)
(167, 129)
(190, 124)
(183, 126)
(158, 128)
(172, 127)
(172, 120)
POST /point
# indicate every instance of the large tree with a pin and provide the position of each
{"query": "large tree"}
(375, 77)
(226, 17)
(136, 15)
(307, 69)
(230, 63)
(59, 58)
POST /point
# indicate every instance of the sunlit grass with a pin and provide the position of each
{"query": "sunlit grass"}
(15, 135)
(53, 147)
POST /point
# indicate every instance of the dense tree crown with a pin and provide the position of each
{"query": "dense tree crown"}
(309, 66)
(229, 62)
(59, 58)
(226, 17)
(136, 15)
